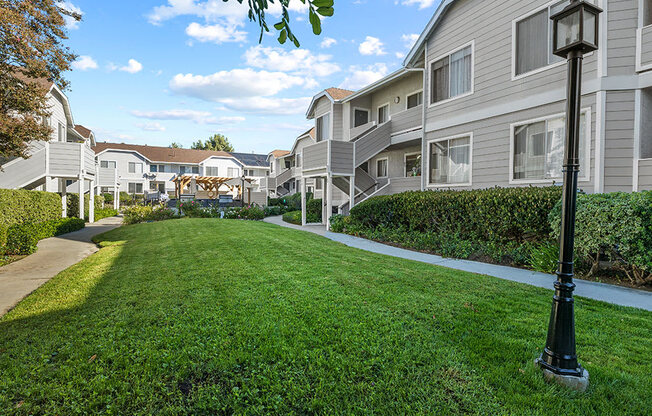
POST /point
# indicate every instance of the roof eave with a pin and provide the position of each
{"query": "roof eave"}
(417, 49)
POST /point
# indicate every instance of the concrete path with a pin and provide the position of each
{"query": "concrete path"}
(54, 255)
(600, 291)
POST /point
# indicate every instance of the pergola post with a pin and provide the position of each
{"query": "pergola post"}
(81, 198)
(64, 198)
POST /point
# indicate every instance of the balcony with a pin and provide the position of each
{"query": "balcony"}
(644, 49)
(331, 156)
(107, 177)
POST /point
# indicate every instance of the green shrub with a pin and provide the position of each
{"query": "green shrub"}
(252, 213)
(292, 202)
(138, 214)
(292, 217)
(105, 213)
(23, 238)
(497, 214)
(616, 226)
(21, 206)
(313, 211)
(108, 198)
(192, 209)
(544, 257)
(3, 237)
(339, 223)
(72, 203)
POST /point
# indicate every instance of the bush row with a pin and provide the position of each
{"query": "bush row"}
(252, 213)
(138, 214)
(292, 217)
(105, 213)
(21, 206)
(72, 204)
(22, 238)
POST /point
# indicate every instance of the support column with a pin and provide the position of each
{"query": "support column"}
(351, 192)
(329, 201)
(91, 202)
(81, 198)
(304, 213)
(64, 198)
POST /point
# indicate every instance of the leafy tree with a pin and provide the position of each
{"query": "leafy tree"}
(257, 9)
(217, 142)
(176, 145)
(32, 54)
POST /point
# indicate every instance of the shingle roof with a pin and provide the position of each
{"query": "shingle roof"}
(338, 93)
(85, 132)
(279, 153)
(162, 154)
(251, 159)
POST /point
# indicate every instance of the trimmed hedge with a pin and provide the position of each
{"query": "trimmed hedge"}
(252, 213)
(497, 214)
(616, 227)
(105, 213)
(313, 210)
(72, 203)
(292, 217)
(21, 206)
(22, 238)
(138, 214)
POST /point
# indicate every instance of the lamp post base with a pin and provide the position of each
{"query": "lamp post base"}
(578, 383)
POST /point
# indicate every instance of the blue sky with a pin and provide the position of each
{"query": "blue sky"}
(157, 71)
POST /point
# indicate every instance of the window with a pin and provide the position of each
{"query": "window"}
(182, 170)
(195, 170)
(383, 114)
(249, 172)
(450, 161)
(310, 189)
(212, 171)
(104, 190)
(135, 188)
(538, 148)
(360, 117)
(153, 168)
(323, 127)
(232, 173)
(161, 168)
(318, 184)
(381, 168)
(271, 167)
(415, 100)
(157, 186)
(413, 165)
(61, 133)
(533, 37)
(647, 12)
(108, 164)
(135, 167)
(452, 75)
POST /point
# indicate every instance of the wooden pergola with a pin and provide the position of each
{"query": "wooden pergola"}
(211, 185)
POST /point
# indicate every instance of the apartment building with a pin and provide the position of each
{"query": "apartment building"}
(477, 106)
(152, 169)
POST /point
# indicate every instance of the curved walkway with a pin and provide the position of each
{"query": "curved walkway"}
(54, 255)
(617, 295)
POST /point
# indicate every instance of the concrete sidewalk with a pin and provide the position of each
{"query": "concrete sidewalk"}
(617, 295)
(54, 255)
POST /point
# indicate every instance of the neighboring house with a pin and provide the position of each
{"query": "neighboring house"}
(483, 106)
(277, 172)
(148, 169)
(63, 163)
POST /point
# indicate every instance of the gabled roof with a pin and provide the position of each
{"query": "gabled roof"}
(251, 159)
(333, 94)
(163, 154)
(432, 24)
(83, 131)
(308, 134)
(278, 153)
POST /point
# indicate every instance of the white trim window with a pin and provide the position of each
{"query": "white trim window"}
(232, 172)
(382, 167)
(449, 162)
(107, 164)
(135, 188)
(361, 117)
(532, 49)
(323, 126)
(212, 171)
(135, 167)
(383, 113)
(537, 148)
(451, 75)
(157, 168)
(414, 100)
(412, 164)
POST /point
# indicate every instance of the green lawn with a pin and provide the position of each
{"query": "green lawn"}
(213, 316)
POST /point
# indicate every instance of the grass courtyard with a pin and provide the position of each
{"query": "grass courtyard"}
(205, 316)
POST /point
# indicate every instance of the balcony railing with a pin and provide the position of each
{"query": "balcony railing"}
(407, 120)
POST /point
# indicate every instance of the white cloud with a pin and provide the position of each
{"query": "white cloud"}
(197, 117)
(216, 33)
(235, 83)
(268, 106)
(71, 23)
(410, 40)
(372, 46)
(363, 76)
(328, 42)
(150, 126)
(421, 3)
(84, 63)
(279, 59)
(133, 66)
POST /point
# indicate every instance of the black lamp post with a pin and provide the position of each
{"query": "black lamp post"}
(575, 33)
(243, 177)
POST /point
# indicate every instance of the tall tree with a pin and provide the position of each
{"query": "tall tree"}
(216, 142)
(316, 8)
(31, 52)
